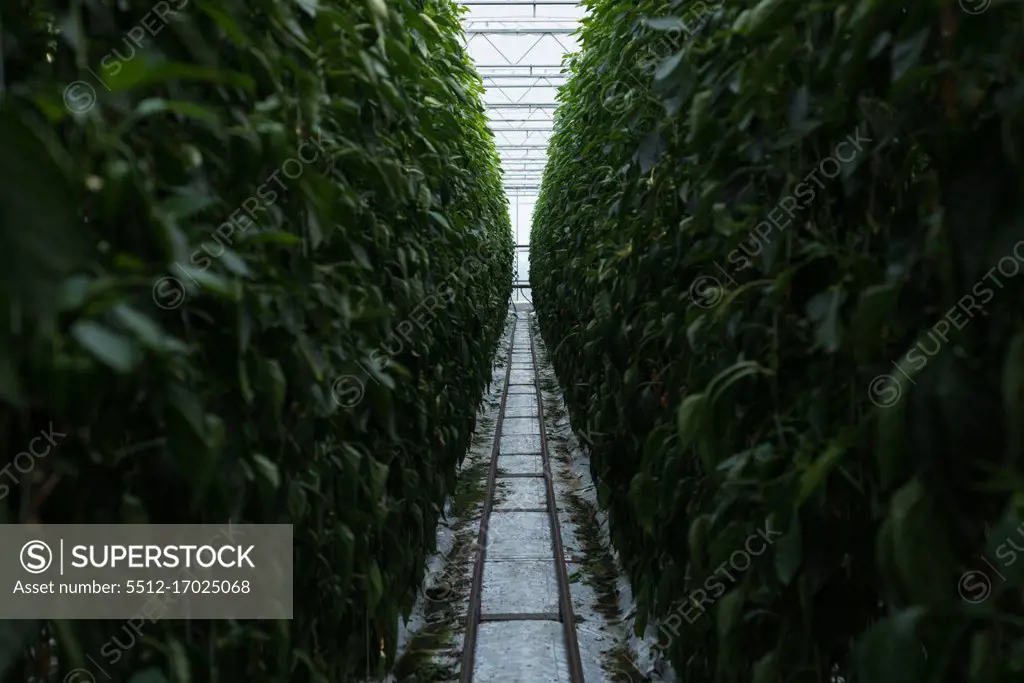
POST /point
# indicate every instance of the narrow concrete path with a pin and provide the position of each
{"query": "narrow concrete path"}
(522, 547)
(521, 625)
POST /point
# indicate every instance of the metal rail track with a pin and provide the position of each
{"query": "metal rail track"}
(565, 613)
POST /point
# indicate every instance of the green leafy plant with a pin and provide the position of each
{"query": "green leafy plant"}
(208, 243)
(720, 334)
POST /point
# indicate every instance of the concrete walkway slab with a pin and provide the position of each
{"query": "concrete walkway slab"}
(520, 493)
(521, 401)
(520, 464)
(519, 444)
(519, 535)
(521, 377)
(518, 587)
(520, 652)
(514, 426)
(522, 411)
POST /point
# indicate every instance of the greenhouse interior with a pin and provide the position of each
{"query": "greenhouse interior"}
(425, 341)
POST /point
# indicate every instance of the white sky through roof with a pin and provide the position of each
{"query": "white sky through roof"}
(518, 46)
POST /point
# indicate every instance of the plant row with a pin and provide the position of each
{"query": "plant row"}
(778, 257)
(256, 259)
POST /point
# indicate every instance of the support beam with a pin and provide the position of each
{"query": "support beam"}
(531, 67)
(518, 3)
(521, 105)
(523, 31)
(522, 77)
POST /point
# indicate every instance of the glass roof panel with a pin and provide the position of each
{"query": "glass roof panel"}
(518, 46)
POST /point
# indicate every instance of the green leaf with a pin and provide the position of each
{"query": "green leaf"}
(906, 54)
(819, 470)
(441, 220)
(766, 670)
(110, 348)
(186, 202)
(151, 675)
(668, 68)
(923, 555)
(379, 9)
(789, 551)
(274, 237)
(376, 586)
(823, 308)
(690, 418)
(268, 469)
(156, 105)
(227, 24)
(798, 106)
(729, 612)
(308, 6)
(276, 383)
(378, 476)
(147, 332)
(180, 670)
(664, 23)
(868, 323)
(733, 374)
(651, 147)
(766, 17)
(139, 72)
(890, 652)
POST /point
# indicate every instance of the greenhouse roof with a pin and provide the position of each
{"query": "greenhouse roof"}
(518, 46)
